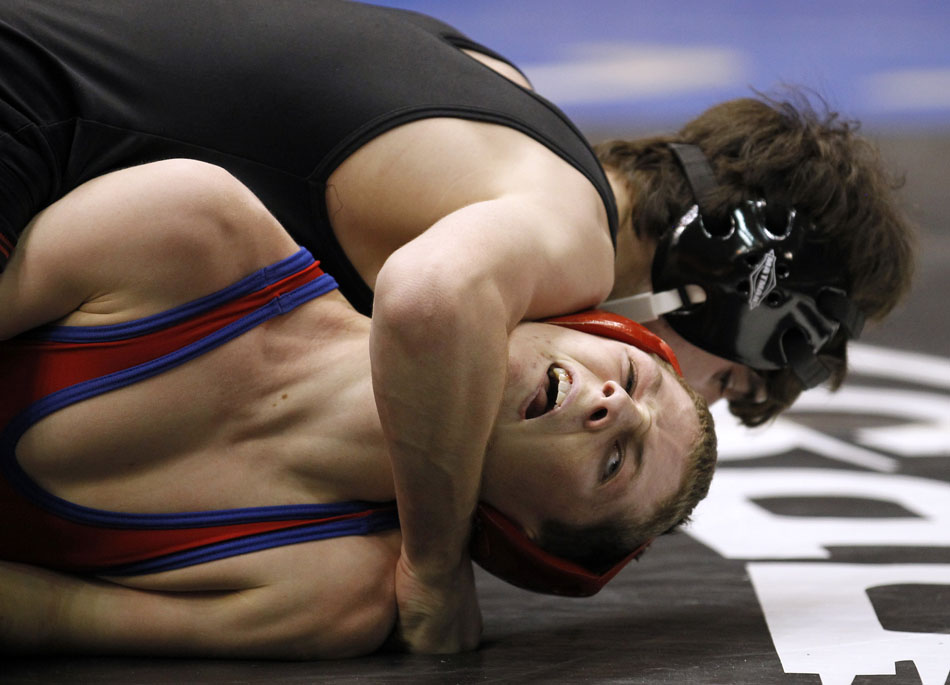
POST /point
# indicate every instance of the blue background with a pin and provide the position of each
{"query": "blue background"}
(885, 63)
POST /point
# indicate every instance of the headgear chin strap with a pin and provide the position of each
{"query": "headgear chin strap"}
(501, 547)
(762, 288)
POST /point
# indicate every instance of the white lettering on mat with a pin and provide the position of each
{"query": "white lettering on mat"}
(818, 612)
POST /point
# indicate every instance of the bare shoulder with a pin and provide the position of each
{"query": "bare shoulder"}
(432, 193)
(166, 233)
(446, 165)
(136, 241)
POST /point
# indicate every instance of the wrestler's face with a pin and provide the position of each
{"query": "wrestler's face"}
(613, 442)
(712, 377)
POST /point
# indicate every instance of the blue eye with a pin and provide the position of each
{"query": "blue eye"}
(613, 463)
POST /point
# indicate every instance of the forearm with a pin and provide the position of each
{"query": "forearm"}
(43, 611)
(439, 362)
(27, 609)
(445, 304)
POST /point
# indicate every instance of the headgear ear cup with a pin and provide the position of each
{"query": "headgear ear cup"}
(769, 276)
(501, 547)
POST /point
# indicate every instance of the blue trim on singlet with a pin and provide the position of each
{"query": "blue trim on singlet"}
(384, 519)
(258, 280)
(86, 389)
(134, 374)
(378, 517)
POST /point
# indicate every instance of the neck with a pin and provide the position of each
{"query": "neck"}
(634, 257)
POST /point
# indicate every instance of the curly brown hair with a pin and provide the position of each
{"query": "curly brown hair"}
(798, 155)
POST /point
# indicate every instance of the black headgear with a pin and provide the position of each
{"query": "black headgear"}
(775, 290)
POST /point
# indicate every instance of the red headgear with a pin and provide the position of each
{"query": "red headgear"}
(500, 546)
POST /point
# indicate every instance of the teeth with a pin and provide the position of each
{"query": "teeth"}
(563, 385)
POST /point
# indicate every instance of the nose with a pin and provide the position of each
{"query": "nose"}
(745, 384)
(612, 406)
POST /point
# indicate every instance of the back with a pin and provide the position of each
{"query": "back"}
(159, 511)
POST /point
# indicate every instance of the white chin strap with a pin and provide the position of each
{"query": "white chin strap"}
(650, 306)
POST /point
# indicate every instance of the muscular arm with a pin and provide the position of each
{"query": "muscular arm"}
(445, 303)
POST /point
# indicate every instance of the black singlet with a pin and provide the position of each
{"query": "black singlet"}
(279, 92)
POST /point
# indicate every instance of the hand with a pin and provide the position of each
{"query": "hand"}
(437, 616)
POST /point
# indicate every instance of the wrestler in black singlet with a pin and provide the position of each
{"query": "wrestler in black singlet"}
(278, 92)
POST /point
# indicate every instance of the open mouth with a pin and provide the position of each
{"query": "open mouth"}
(551, 394)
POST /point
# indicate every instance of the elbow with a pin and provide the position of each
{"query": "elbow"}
(421, 304)
(407, 291)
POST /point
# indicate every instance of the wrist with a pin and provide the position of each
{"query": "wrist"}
(435, 570)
